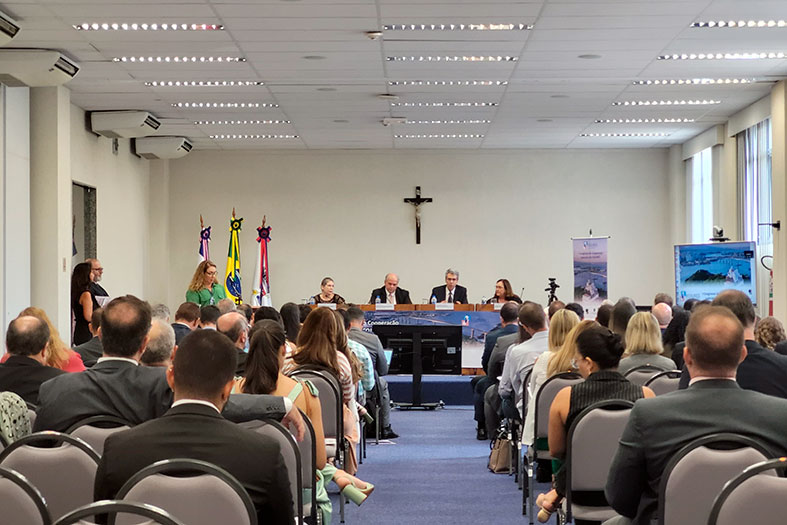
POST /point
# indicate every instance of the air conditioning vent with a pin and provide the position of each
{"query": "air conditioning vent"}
(124, 124)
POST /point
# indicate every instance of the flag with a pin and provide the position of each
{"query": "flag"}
(204, 241)
(232, 276)
(261, 294)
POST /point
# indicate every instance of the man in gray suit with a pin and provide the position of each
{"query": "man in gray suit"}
(660, 426)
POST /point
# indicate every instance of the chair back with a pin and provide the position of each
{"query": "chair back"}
(65, 474)
(639, 375)
(752, 496)
(193, 491)
(664, 382)
(21, 502)
(546, 394)
(94, 430)
(695, 475)
(331, 404)
(14, 418)
(525, 374)
(308, 449)
(115, 507)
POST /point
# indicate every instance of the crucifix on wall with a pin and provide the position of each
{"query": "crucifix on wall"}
(416, 202)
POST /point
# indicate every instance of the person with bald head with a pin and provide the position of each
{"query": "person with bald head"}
(390, 292)
(663, 314)
(714, 402)
(235, 326)
(161, 345)
(25, 369)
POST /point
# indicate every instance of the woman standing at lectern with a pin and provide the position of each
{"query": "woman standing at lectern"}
(503, 293)
(326, 294)
(204, 288)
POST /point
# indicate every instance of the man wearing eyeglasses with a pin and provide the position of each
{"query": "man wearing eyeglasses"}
(96, 290)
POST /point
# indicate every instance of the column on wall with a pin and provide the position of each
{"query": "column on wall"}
(50, 203)
(779, 192)
(158, 271)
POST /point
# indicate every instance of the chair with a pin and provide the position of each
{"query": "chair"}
(544, 397)
(308, 470)
(64, 473)
(209, 495)
(695, 475)
(752, 496)
(154, 514)
(515, 428)
(14, 417)
(664, 382)
(290, 453)
(591, 445)
(21, 502)
(639, 375)
(94, 430)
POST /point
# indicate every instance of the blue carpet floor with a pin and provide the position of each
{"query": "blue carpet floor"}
(435, 473)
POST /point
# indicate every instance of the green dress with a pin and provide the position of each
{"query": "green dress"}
(205, 296)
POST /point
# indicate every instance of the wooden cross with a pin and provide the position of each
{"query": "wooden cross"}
(416, 202)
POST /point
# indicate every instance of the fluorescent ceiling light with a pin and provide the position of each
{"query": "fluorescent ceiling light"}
(739, 23)
(624, 134)
(204, 105)
(692, 81)
(238, 122)
(448, 83)
(124, 26)
(478, 121)
(204, 83)
(455, 58)
(253, 136)
(644, 121)
(178, 59)
(762, 55)
(666, 102)
(458, 27)
(441, 136)
(442, 104)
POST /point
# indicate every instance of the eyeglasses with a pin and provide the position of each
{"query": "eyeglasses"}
(211, 273)
(98, 269)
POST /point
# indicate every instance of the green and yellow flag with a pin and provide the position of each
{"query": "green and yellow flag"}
(232, 277)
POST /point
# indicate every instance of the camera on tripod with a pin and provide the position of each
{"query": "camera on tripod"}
(551, 288)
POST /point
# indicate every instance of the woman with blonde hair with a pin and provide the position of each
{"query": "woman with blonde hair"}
(643, 344)
(58, 354)
(204, 288)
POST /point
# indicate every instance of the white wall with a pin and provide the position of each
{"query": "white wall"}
(497, 214)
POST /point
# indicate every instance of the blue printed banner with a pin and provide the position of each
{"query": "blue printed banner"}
(590, 273)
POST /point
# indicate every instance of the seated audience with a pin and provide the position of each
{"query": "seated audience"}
(359, 351)
(621, 313)
(304, 310)
(577, 309)
(675, 334)
(643, 344)
(290, 319)
(267, 312)
(663, 314)
(597, 358)
(327, 294)
(201, 376)
(504, 293)
(161, 345)
(769, 332)
(25, 369)
(186, 320)
(554, 306)
(663, 298)
(58, 354)
(92, 350)
(234, 326)
(160, 311)
(660, 427)
(247, 311)
(208, 315)
(226, 306)
(603, 315)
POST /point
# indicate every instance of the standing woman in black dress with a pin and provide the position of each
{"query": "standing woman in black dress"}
(81, 303)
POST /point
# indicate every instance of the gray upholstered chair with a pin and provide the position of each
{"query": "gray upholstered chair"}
(664, 382)
(210, 495)
(695, 475)
(639, 375)
(752, 496)
(114, 507)
(95, 430)
(65, 473)
(21, 502)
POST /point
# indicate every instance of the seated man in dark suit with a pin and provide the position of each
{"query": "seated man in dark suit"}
(390, 292)
(451, 292)
(91, 350)
(161, 345)
(235, 326)
(118, 386)
(714, 402)
(763, 370)
(25, 369)
(186, 320)
(201, 376)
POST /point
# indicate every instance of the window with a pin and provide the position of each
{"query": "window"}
(754, 180)
(701, 196)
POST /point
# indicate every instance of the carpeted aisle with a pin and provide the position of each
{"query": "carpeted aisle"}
(435, 473)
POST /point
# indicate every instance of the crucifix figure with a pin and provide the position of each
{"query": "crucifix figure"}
(416, 202)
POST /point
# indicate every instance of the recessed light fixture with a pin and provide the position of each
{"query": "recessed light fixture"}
(124, 26)
(589, 57)
(762, 55)
(624, 134)
(544, 120)
(253, 136)
(692, 81)
(475, 121)
(666, 102)
(442, 83)
(644, 121)
(458, 27)
(178, 59)
(326, 89)
(739, 23)
(441, 136)
(237, 122)
(455, 58)
(341, 121)
(211, 105)
(204, 83)
(558, 96)
(314, 57)
(442, 104)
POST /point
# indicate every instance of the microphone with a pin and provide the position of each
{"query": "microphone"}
(522, 293)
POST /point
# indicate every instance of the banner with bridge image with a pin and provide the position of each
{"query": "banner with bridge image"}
(590, 273)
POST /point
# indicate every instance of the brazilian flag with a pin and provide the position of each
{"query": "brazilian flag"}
(232, 277)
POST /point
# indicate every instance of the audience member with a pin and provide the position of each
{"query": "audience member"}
(659, 427)
(781, 348)
(688, 304)
(81, 302)
(304, 310)
(91, 351)
(247, 311)
(205, 288)
(226, 306)
(621, 313)
(359, 351)
(554, 306)
(186, 320)
(290, 318)
(360, 378)
(390, 292)
(663, 298)
(327, 294)
(234, 326)
(643, 344)
(208, 315)
(603, 315)
(58, 354)
(25, 369)
(663, 314)
(267, 312)
(161, 345)
(675, 334)
(160, 311)
(201, 377)
(769, 332)
(577, 309)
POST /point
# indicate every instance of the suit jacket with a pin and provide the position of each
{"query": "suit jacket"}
(498, 356)
(23, 375)
(402, 296)
(441, 292)
(762, 371)
(374, 346)
(131, 392)
(658, 427)
(90, 351)
(781, 348)
(198, 432)
(242, 356)
(491, 339)
(181, 331)
(97, 290)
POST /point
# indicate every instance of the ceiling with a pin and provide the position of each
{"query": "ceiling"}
(325, 75)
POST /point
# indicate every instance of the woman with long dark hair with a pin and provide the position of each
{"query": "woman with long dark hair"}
(81, 302)
(291, 318)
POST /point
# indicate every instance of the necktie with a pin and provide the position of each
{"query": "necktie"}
(391, 298)
(450, 297)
